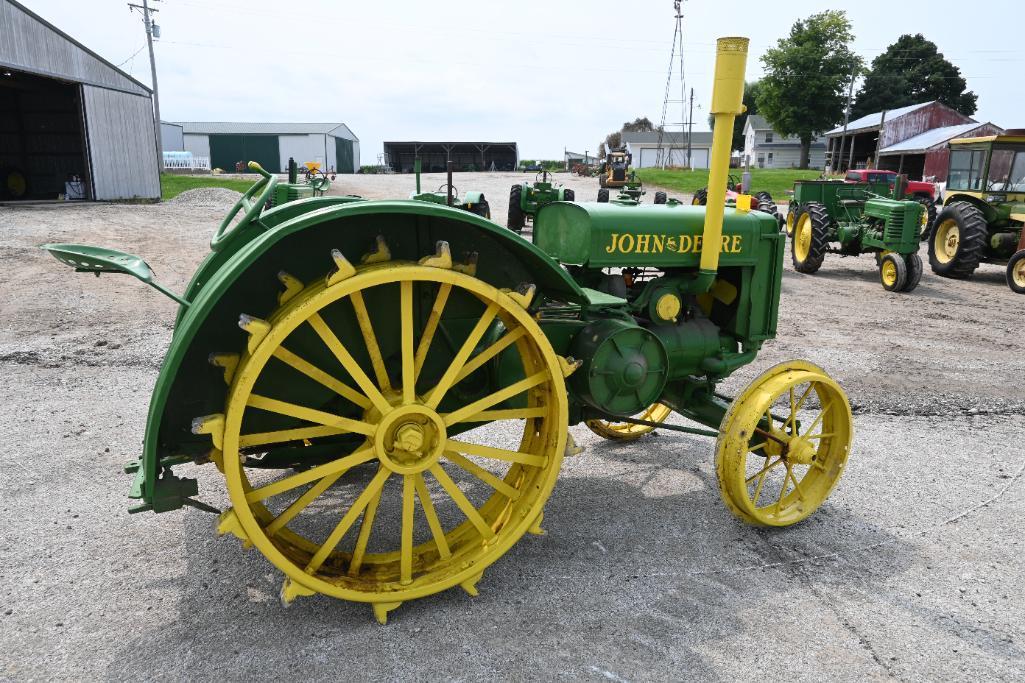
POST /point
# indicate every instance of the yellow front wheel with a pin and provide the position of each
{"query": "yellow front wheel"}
(783, 445)
(410, 498)
(628, 431)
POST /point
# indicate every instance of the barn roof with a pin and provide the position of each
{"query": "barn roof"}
(261, 128)
(875, 120)
(931, 138)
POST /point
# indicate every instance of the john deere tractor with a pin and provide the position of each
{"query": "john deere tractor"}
(849, 219)
(763, 201)
(526, 199)
(983, 210)
(615, 167)
(387, 386)
(448, 194)
(630, 192)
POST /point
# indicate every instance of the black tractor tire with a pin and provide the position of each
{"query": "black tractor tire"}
(893, 272)
(913, 263)
(1016, 272)
(568, 195)
(700, 197)
(482, 208)
(970, 240)
(660, 197)
(929, 206)
(516, 218)
(601, 179)
(766, 204)
(793, 211)
(603, 196)
(818, 239)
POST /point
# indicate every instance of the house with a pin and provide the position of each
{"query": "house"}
(652, 148)
(926, 156)
(864, 138)
(765, 148)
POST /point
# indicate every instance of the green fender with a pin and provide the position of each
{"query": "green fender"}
(189, 386)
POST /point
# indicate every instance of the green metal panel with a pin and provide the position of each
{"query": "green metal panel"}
(343, 155)
(227, 150)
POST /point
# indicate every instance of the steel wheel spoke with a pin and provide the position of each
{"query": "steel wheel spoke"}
(430, 328)
(318, 375)
(347, 520)
(783, 490)
(339, 467)
(432, 516)
(797, 485)
(818, 419)
(360, 551)
(448, 379)
(301, 503)
(503, 342)
(762, 471)
(758, 487)
(286, 435)
(819, 436)
(804, 396)
(370, 339)
(406, 548)
(488, 478)
(469, 411)
(406, 320)
(495, 453)
(462, 501)
(793, 412)
(309, 415)
(761, 445)
(349, 363)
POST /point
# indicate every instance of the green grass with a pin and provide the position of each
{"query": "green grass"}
(172, 185)
(775, 181)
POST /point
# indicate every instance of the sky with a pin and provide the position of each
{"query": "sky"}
(549, 75)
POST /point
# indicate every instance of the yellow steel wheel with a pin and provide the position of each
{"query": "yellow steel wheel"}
(628, 431)
(802, 236)
(946, 238)
(783, 445)
(418, 505)
(790, 223)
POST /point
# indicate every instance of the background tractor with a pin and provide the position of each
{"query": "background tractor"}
(762, 200)
(526, 199)
(615, 167)
(337, 361)
(850, 219)
(984, 209)
(631, 192)
(883, 182)
(448, 195)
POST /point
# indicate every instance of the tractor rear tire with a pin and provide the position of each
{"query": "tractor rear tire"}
(928, 216)
(601, 180)
(700, 197)
(568, 195)
(516, 218)
(1016, 272)
(957, 241)
(913, 262)
(603, 196)
(811, 237)
(660, 197)
(893, 272)
(767, 205)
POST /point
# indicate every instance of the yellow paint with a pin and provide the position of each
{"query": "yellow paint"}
(441, 259)
(946, 237)
(405, 438)
(888, 273)
(668, 307)
(988, 138)
(1018, 273)
(802, 237)
(652, 243)
(628, 431)
(743, 203)
(781, 451)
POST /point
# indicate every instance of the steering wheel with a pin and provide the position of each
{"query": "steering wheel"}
(731, 182)
(265, 187)
(455, 191)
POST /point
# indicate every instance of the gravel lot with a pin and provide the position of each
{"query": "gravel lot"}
(912, 570)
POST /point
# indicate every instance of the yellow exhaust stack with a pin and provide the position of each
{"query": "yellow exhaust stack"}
(727, 102)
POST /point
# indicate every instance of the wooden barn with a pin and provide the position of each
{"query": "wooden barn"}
(926, 156)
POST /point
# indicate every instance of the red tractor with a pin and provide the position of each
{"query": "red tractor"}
(762, 200)
(923, 193)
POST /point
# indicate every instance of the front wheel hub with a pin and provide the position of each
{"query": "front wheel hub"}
(410, 439)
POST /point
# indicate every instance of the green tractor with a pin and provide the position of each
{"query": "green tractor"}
(448, 195)
(849, 219)
(630, 192)
(762, 201)
(983, 209)
(526, 199)
(390, 420)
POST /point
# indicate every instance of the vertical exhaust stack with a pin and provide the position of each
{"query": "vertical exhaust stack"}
(727, 102)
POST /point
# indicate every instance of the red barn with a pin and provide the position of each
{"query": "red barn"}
(927, 155)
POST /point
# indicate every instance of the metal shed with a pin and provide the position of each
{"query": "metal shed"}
(226, 143)
(71, 123)
(927, 156)
(467, 156)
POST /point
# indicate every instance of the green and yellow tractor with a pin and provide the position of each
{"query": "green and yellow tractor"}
(526, 199)
(983, 209)
(387, 387)
(849, 219)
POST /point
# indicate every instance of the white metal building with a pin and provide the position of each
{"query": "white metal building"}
(71, 123)
(332, 145)
(646, 154)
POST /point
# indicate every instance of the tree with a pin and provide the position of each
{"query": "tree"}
(751, 90)
(613, 140)
(912, 70)
(803, 92)
(639, 125)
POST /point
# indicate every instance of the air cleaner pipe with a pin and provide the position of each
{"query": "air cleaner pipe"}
(727, 103)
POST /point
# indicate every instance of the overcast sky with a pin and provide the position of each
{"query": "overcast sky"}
(546, 75)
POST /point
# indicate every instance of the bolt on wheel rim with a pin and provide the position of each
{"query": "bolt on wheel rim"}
(889, 273)
(420, 504)
(802, 238)
(946, 241)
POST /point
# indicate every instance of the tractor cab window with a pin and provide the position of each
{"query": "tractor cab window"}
(1006, 171)
(966, 169)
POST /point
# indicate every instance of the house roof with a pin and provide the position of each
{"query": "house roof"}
(758, 122)
(875, 120)
(668, 138)
(253, 128)
(931, 138)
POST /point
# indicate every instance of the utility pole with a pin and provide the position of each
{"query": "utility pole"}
(148, 22)
(690, 128)
(846, 120)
